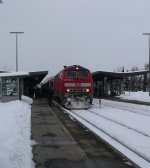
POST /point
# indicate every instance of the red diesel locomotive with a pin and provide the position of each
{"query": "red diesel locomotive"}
(73, 87)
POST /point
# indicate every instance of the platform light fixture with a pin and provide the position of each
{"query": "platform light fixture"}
(148, 34)
(16, 33)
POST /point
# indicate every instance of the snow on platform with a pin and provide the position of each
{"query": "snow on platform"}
(15, 132)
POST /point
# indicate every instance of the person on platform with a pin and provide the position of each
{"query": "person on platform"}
(50, 97)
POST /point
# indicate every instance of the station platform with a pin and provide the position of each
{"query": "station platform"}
(65, 144)
(55, 146)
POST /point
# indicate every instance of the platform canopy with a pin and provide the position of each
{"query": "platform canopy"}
(100, 75)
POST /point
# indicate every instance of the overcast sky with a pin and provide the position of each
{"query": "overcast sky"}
(96, 34)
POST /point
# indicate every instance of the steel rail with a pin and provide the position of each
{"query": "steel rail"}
(140, 132)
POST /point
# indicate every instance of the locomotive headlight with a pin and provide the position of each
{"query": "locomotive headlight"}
(87, 90)
(68, 90)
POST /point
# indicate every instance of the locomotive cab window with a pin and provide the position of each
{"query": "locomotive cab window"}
(83, 74)
(71, 74)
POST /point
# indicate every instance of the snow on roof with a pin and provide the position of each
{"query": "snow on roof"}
(132, 72)
(9, 74)
(47, 78)
(140, 71)
(38, 73)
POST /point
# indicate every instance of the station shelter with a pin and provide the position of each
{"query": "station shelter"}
(11, 84)
(15, 84)
(112, 83)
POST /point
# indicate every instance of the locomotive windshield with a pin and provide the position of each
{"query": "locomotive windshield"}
(83, 74)
(71, 74)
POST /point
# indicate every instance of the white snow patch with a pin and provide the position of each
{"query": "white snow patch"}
(27, 99)
(139, 96)
(15, 132)
(9, 74)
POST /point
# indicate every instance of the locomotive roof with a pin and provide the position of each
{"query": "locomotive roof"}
(73, 67)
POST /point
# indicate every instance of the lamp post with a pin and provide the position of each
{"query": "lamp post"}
(148, 34)
(17, 47)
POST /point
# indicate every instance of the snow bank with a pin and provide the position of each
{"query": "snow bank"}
(139, 96)
(15, 132)
(26, 99)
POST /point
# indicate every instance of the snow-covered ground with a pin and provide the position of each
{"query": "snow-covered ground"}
(139, 96)
(15, 132)
(126, 126)
(127, 123)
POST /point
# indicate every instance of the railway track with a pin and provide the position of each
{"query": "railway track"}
(134, 155)
(106, 135)
(119, 123)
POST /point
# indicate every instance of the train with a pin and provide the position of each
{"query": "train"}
(73, 87)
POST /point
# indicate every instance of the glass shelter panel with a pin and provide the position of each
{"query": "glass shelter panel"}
(9, 87)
